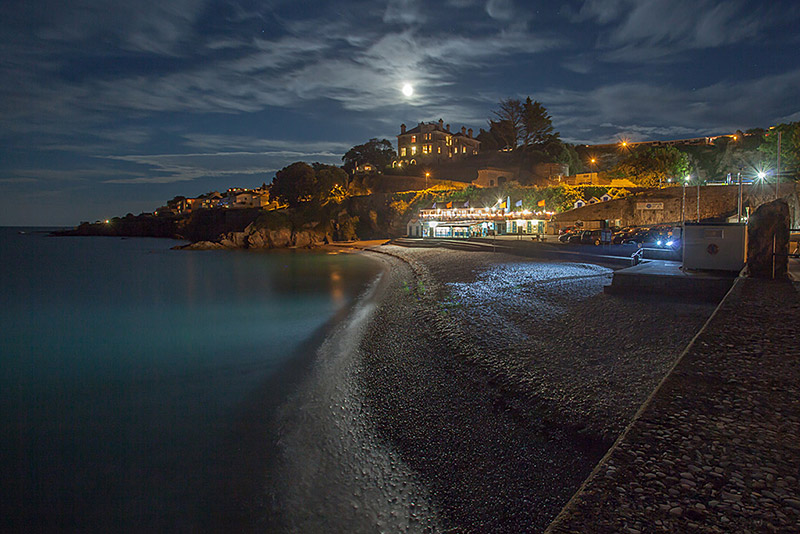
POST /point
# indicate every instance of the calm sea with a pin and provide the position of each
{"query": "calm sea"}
(123, 363)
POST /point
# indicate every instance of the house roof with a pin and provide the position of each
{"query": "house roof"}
(418, 128)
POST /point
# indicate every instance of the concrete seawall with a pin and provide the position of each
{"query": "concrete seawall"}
(716, 447)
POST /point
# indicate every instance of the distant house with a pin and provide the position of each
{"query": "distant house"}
(433, 142)
(594, 200)
(580, 203)
(246, 199)
(365, 168)
(605, 198)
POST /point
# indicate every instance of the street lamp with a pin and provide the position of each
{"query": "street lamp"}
(427, 175)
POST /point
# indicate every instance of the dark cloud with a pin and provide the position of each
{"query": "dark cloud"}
(209, 93)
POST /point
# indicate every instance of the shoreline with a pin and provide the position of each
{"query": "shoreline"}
(500, 435)
(422, 411)
(248, 445)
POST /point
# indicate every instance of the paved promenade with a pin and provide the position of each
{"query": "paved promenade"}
(716, 448)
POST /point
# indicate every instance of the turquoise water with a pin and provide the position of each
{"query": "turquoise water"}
(122, 362)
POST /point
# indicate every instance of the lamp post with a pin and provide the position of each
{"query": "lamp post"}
(683, 202)
(427, 175)
(778, 174)
(698, 199)
(740, 195)
(683, 219)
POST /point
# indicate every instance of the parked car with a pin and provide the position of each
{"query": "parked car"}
(668, 237)
(575, 237)
(621, 235)
(565, 237)
(638, 237)
(596, 237)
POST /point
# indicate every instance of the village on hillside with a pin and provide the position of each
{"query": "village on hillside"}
(438, 182)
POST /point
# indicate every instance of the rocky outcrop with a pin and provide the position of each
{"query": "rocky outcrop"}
(256, 236)
(768, 240)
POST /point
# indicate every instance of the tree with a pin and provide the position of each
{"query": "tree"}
(653, 166)
(509, 124)
(294, 184)
(488, 140)
(522, 124)
(376, 152)
(331, 183)
(504, 133)
(537, 126)
(790, 147)
(300, 183)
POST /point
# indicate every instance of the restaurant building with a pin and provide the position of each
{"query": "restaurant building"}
(443, 220)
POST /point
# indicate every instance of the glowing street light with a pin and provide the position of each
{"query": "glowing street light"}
(427, 175)
(761, 175)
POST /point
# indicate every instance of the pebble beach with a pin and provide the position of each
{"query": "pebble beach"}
(483, 389)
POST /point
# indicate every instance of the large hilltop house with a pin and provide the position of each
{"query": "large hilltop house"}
(433, 142)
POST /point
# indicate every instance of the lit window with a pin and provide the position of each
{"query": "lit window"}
(426, 149)
(413, 138)
(463, 150)
(439, 149)
(413, 150)
(403, 151)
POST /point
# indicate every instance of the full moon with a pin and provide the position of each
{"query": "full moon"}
(408, 89)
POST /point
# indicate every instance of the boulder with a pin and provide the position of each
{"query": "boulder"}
(768, 232)
(279, 238)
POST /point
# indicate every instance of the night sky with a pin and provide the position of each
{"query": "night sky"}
(110, 107)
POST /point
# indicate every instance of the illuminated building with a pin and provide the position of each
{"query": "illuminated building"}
(433, 142)
(446, 220)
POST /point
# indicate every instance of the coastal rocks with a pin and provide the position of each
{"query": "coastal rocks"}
(768, 233)
(265, 238)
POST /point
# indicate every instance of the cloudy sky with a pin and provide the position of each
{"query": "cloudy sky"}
(110, 106)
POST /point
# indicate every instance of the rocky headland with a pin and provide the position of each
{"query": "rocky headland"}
(309, 226)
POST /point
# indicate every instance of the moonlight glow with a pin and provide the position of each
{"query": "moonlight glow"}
(408, 89)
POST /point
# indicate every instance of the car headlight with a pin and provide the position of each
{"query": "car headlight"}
(658, 242)
(670, 243)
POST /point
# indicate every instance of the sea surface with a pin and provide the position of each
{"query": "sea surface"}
(123, 363)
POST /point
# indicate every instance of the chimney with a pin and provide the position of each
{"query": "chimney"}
(402, 129)
(463, 130)
(447, 127)
(469, 133)
(441, 124)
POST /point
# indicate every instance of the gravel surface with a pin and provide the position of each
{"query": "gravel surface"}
(501, 381)
(717, 447)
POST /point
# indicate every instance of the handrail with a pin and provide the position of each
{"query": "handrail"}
(636, 257)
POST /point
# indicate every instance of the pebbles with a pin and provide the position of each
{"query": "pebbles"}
(501, 382)
(724, 429)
